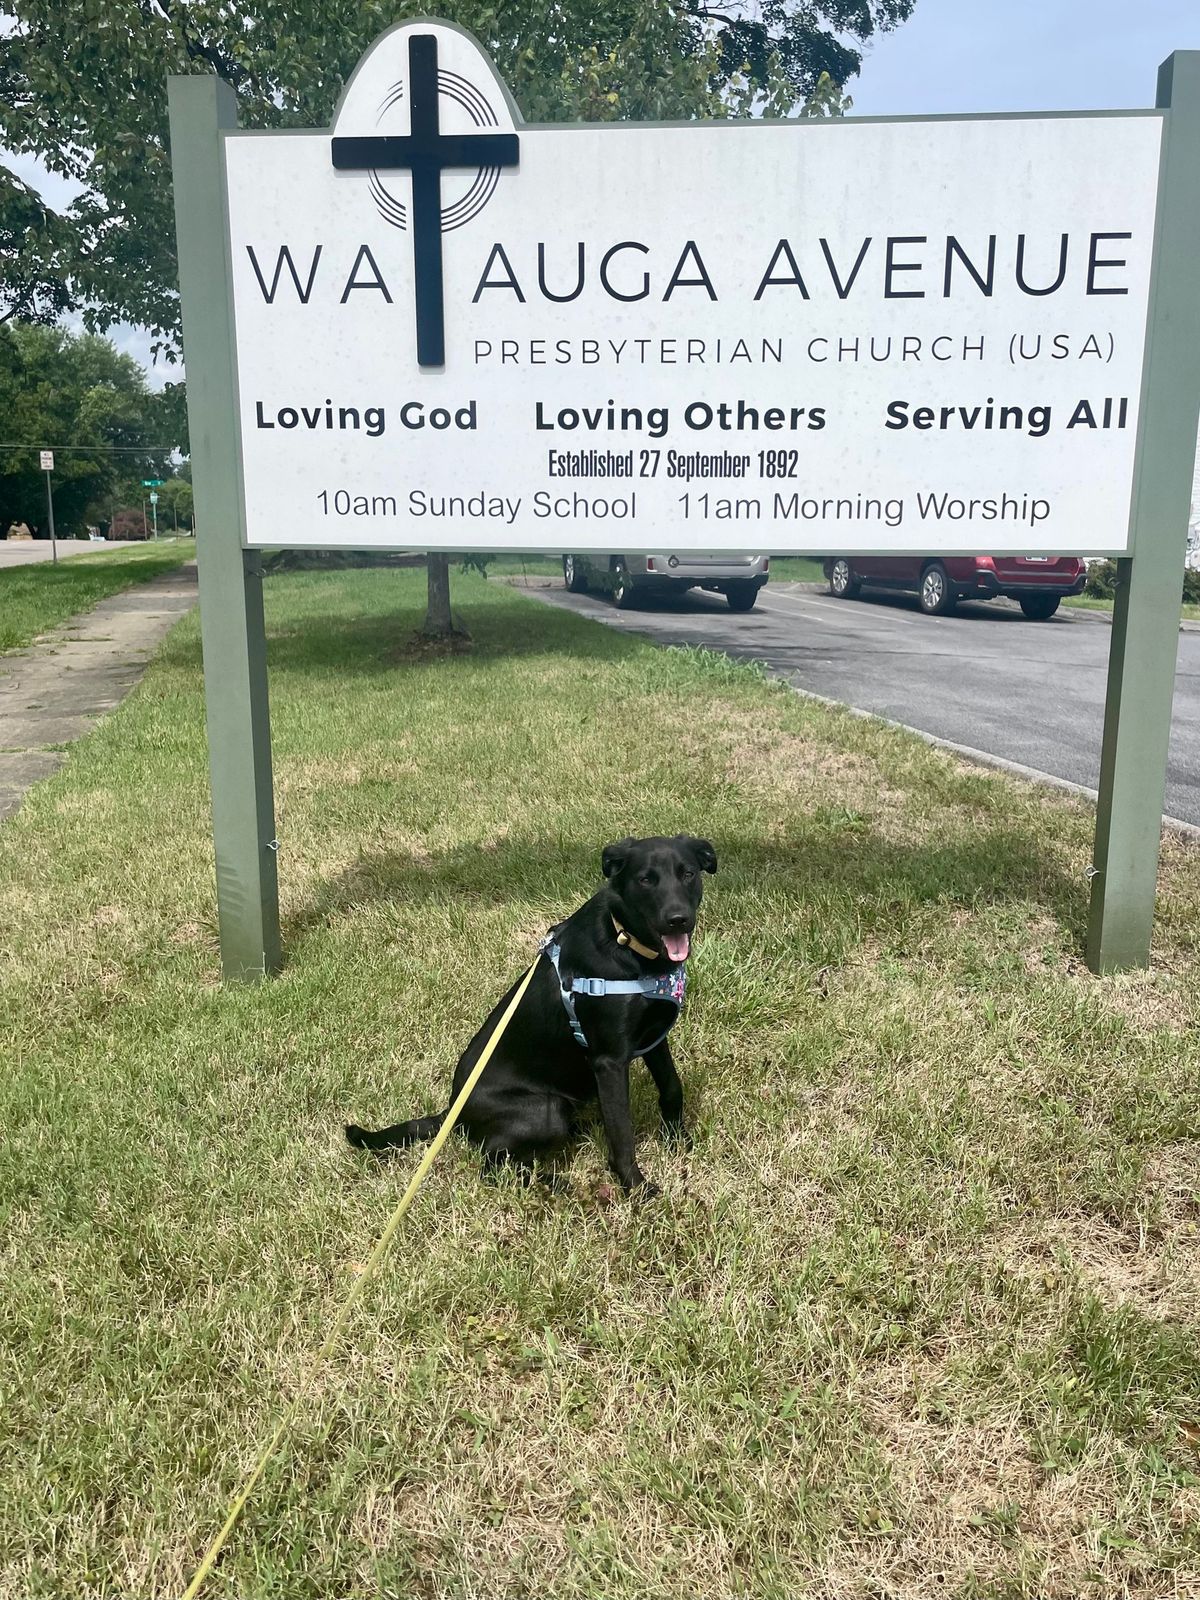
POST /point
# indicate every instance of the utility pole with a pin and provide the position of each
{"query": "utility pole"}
(48, 468)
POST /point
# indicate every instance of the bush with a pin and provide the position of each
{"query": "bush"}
(127, 523)
(1102, 582)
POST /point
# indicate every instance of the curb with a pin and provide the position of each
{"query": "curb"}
(1186, 625)
(982, 758)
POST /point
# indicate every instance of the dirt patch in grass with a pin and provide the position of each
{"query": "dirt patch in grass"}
(420, 648)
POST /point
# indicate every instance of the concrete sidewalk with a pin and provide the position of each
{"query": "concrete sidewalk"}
(58, 688)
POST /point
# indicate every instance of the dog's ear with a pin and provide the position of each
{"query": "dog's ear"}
(706, 856)
(614, 856)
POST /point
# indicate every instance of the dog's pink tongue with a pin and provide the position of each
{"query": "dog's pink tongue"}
(677, 946)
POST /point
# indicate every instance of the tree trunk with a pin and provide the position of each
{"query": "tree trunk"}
(439, 621)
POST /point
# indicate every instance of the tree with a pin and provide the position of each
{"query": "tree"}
(773, 42)
(82, 87)
(595, 60)
(35, 248)
(59, 389)
(175, 504)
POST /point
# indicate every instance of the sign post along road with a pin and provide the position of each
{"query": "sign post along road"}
(433, 325)
(46, 458)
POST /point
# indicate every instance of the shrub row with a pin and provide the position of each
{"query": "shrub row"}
(1102, 582)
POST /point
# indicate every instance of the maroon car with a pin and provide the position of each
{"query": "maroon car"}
(1036, 583)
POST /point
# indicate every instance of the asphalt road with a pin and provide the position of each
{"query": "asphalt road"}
(1029, 692)
(25, 552)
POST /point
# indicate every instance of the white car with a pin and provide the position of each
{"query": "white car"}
(630, 579)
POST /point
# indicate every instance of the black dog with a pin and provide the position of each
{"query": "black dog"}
(634, 931)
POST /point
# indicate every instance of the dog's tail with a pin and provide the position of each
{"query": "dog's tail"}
(416, 1131)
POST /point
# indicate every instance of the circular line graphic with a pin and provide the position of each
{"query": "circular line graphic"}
(483, 185)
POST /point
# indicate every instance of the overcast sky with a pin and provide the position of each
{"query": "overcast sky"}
(956, 55)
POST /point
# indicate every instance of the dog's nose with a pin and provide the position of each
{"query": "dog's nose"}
(679, 922)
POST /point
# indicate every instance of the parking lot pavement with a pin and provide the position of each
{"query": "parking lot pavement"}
(985, 678)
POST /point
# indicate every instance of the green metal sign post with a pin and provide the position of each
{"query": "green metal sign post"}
(231, 602)
(1145, 631)
(1145, 635)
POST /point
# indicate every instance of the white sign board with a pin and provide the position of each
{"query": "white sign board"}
(901, 336)
(47, 460)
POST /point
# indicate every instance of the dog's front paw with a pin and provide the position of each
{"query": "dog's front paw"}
(676, 1136)
(642, 1193)
(356, 1135)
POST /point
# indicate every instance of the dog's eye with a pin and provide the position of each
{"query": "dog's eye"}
(648, 879)
(687, 874)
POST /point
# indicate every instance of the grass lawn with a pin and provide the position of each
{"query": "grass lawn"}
(919, 1315)
(796, 569)
(1087, 602)
(44, 593)
(513, 566)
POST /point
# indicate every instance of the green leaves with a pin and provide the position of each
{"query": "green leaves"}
(35, 250)
(83, 86)
(58, 388)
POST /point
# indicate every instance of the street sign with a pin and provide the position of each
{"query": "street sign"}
(154, 497)
(47, 460)
(152, 483)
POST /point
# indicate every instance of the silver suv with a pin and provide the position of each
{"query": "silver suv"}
(632, 578)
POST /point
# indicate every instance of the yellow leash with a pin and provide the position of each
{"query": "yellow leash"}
(368, 1272)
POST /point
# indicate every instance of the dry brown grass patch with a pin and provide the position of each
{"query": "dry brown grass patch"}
(1155, 1270)
(974, 1502)
(1149, 1000)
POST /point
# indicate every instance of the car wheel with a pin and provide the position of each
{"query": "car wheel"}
(741, 596)
(574, 576)
(843, 585)
(622, 586)
(1040, 607)
(937, 597)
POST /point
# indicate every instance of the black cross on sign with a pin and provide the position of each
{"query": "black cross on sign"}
(427, 152)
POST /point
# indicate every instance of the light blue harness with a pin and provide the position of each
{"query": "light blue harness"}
(670, 986)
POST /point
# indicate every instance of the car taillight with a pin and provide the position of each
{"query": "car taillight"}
(985, 563)
(766, 563)
(649, 563)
